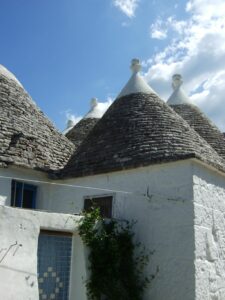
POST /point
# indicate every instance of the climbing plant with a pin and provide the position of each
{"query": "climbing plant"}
(116, 271)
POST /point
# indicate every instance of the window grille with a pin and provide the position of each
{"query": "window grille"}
(54, 260)
(103, 203)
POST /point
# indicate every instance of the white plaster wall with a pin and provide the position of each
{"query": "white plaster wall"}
(209, 210)
(165, 219)
(181, 224)
(5, 189)
(18, 264)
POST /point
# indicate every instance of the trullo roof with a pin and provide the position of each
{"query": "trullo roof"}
(78, 133)
(27, 137)
(138, 129)
(195, 117)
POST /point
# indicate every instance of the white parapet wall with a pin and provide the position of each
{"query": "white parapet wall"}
(19, 231)
(209, 221)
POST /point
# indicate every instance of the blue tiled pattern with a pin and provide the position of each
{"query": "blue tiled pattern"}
(54, 257)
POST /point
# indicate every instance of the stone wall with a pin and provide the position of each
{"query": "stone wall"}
(209, 210)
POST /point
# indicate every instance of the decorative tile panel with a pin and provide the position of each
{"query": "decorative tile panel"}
(54, 258)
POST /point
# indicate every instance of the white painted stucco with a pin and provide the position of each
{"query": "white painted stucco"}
(165, 219)
(180, 212)
(178, 96)
(136, 83)
(19, 231)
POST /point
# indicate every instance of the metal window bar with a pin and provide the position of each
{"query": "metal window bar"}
(54, 264)
(22, 194)
(14, 196)
(103, 203)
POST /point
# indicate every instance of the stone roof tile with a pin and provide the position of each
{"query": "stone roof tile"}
(180, 102)
(79, 132)
(138, 130)
(202, 125)
(27, 137)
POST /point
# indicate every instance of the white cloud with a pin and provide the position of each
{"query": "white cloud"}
(128, 7)
(158, 30)
(196, 49)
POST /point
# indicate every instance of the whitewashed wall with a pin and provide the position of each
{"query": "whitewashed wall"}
(20, 229)
(165, 219)
(209, 210)
(182, 225)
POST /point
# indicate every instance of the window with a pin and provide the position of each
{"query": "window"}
(54, 260)
(103, 203)
(23, 194)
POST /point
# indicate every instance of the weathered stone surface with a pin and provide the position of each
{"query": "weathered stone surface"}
(138, 130)
(209, 221)
(200, 123)
(27, 137)
(78, 133)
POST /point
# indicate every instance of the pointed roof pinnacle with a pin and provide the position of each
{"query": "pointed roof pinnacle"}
(136, 83)
(135, 65)
(177, 81)
(70, 123)
(178, 96)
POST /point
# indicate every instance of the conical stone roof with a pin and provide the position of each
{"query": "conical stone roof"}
(196, 118)
(79, 132)
(138, 129)
(27, 137)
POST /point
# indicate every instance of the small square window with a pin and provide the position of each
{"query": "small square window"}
(103, 203)
(23, 194)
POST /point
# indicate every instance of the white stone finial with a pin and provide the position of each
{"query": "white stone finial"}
(178, 96)
(136, 83)
(176, 81)
(70, 123)
(135, 65)
(94, 102)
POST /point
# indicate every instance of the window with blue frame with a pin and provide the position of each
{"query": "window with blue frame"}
(23, 194)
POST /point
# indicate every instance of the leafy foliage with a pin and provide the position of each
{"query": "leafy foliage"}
(116, 272)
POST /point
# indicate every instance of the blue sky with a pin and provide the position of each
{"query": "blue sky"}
(66, 52)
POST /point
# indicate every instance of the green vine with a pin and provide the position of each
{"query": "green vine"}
(116, 272)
